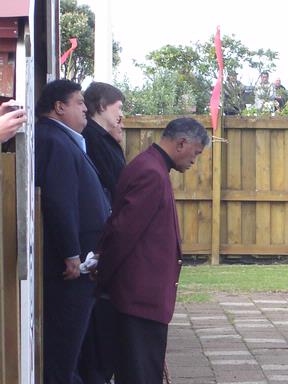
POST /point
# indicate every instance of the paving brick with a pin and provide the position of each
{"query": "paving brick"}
(235, 339)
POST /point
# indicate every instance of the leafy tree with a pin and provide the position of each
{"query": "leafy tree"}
(184, 63)
(158, 96)
(79, 21)
(192, 70)
(236, 56)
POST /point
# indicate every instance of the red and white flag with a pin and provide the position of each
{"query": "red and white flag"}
(216, 93)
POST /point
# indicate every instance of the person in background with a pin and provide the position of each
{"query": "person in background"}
(103, 135)
(10, 120)
(280, 94)
(75, 209)
(233, 95)
(265, 94)
(140, 253)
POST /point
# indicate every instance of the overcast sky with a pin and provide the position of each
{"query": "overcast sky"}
(142, 26)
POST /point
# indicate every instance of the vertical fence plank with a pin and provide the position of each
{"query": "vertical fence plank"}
(248, 172)
(204, 222)
(286, 182)
(263, 184)
(10, 280)
(277, 184)
(190, 233)
(2, 307)
(234, 183)
(38, 290)
(132, 144)
(216, 196)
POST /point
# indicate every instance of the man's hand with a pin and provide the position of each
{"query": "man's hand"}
(72, 268)
(10, 123)
(93, 272)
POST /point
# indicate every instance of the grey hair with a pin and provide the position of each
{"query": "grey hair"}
(186, 127)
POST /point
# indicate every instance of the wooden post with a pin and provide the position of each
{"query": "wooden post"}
(38, 290)
(216, 194)
(9, 276)
(2, 309)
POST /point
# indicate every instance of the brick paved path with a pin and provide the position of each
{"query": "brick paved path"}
(232, 340)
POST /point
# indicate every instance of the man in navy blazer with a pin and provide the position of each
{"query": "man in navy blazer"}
(75, 209)
(140, 253)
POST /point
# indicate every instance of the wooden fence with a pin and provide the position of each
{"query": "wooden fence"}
(234, 201)
(9, 279)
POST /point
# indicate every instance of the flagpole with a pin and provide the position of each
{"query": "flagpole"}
(69, 66)
(216, 103)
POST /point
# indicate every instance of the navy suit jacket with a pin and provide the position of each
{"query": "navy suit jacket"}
(74, 205)
(140, 255)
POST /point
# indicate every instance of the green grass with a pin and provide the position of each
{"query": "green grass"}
(199, 283)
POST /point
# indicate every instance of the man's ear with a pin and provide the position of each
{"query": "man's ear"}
(58, 107)
(180, 143)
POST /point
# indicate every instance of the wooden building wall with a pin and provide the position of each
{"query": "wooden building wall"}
(253, 215)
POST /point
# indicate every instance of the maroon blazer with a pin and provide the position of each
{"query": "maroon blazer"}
(140, 256)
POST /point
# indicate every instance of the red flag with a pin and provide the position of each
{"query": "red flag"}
(65, 55)
(216, 93)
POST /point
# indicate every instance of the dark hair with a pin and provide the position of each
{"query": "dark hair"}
(186, 127)
(57, 90)
(99, 95)
(265, 73)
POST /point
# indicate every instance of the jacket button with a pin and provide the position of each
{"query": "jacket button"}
(180, 262)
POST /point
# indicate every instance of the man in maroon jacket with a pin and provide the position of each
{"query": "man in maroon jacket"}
(140, 257)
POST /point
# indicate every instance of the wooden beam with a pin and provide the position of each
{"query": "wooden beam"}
(2, 307)
(158, 121)
(189, 248)
(233, 195)
(260, 122)
(10, 280)
(38, 268)
(253, 249)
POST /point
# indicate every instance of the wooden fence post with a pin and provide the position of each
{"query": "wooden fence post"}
(216, 193)
(2, 309)
(9, 276)
(38, 289)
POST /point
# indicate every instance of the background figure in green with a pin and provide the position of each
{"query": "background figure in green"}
(233, 95)
(281, 95)
(265, 94)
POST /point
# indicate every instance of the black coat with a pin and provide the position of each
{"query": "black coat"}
(74, 204)
(106, 154)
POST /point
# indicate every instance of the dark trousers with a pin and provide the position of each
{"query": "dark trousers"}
(67, 309)
(141, 348)
(97, 360)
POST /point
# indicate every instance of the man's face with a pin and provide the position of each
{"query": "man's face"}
(112, 115)
(277, 83)
(264, 78)
(186, 154)
(74, 112)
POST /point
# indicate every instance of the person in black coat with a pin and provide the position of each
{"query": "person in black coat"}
(103, 135)
(75, 209)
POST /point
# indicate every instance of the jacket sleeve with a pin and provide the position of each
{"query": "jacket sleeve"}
(57, 175)
(138, 205)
